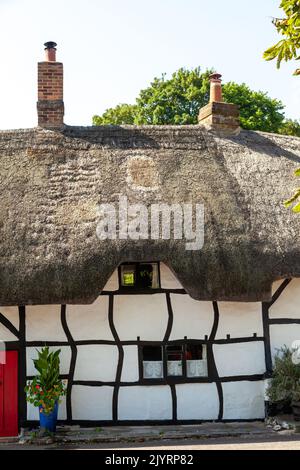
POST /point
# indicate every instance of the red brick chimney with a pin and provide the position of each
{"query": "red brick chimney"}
(217, 115)
(50, 105)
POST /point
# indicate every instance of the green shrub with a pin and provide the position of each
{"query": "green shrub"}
(285, 383)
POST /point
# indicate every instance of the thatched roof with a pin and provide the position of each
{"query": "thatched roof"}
(52, 182)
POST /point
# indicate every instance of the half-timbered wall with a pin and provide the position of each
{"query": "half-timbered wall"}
(101, 352)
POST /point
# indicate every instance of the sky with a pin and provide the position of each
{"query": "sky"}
(111, 49)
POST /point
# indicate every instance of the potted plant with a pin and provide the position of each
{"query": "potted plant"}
(284, 387)
(46, 388)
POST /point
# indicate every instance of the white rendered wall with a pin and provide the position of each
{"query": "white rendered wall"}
(12, 314)
(43, 323)
(197, 401)
(168, 279)
(239, 359)
(90, 322)
(286, 307)
(243, 400)
(6, 335)
(130, 370)
(191, 318)
(145, 403)
(288, 304)
(239, 319)
(113, 282)
(141, 315)
(96, 362)
(92, 403)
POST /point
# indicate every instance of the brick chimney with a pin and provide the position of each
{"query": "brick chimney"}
(217, 115)
(50, 105)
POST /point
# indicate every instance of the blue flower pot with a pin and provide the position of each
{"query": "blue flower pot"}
(48, 421)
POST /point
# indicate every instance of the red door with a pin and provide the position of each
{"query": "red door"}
(9, 395)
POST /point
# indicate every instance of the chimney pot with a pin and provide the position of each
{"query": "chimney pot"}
(215, 88)
(50, 51)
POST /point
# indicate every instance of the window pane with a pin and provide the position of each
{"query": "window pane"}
(152, 362)
(145, 275)
(174, 360)
(152, 353)
(128, 275)
(196, 363)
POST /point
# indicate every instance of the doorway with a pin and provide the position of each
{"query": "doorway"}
(9, 395)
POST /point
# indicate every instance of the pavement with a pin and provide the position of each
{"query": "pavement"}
(141, 435)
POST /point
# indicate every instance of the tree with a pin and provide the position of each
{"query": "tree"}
(257, 110)
(290, 127)
(177, 101)
(287, 48)
(173, 101)
(121, 114)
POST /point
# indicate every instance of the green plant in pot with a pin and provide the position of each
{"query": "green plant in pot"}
(46, 389)
(284, 386)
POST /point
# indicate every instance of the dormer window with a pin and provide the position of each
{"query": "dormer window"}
(139, 275)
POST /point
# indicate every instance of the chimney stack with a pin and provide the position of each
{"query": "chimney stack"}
(218, 116)
(50, 105)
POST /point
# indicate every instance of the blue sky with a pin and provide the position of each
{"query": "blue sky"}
(113, 48)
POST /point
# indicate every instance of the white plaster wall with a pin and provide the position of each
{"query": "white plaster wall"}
(288, 304)
(243, 400)
(283, 335)
(192, 318)
(12, 314)
(276, 285)
(141, 315)
(239, 319)
(197, 401)
(33, 412)
(43, 323)
(90, 322)
(92, 403)
(96, 362)
(112, 283)
(130, 369)
(6, 335)
(240, 358)
(65, 359)
(168, 280)
(145, 403)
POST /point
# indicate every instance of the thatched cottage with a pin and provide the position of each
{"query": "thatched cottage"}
(149, 331)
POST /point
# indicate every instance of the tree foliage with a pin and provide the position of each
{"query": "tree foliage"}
(177, 100)
(290, 127)
(166, 101)
(287, 48)
(257, 110)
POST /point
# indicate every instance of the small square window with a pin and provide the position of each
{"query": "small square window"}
(140, 275)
